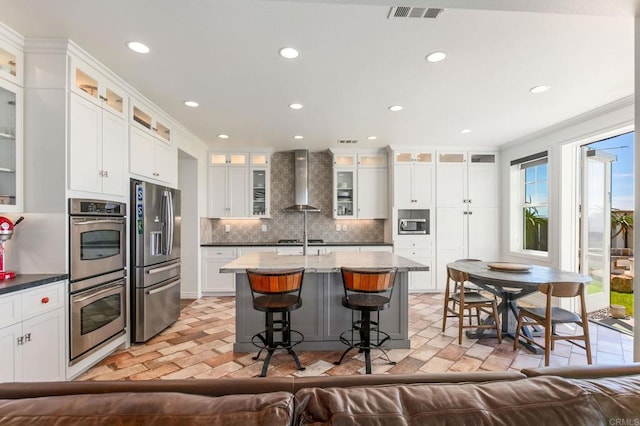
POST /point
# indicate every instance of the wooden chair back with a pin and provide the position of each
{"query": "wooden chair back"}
(562, 289)
(456, 275)
(274, 281)
(368, 280)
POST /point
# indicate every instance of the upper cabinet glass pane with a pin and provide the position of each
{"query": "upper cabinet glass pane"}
(163, 131)
(372, 160)
(86, 83)
(345, 160)
(451, 158)
(402, 157)
(7, 147)
(7, 62)
(114, 100)
(218, 158)
(483, 158)
(238, 158)
(424, 157)
(259, 159)
(141, 117)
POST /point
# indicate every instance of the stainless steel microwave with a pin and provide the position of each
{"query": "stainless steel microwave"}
(413, 226)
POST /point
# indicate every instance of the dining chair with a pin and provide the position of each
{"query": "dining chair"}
(467, 301)
(550, 316)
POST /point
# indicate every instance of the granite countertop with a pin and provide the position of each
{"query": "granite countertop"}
(326, 243)
(27, 281)
(324, 263)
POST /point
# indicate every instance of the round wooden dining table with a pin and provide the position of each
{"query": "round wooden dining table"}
(510, 284)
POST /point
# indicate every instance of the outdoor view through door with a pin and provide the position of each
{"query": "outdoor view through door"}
(606, 252)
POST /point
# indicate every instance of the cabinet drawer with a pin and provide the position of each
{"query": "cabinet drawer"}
(413, 244)
(42, 299)
(220, 253)
(10, 310)
(413, 253)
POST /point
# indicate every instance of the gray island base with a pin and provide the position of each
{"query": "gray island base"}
(322, 317)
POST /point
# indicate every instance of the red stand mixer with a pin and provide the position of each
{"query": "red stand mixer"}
(6, 231)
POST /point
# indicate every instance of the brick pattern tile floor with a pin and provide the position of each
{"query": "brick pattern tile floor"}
(200, 345)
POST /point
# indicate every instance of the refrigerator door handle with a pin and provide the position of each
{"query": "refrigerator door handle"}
(163, 288)
(164, 268)
(170, 222)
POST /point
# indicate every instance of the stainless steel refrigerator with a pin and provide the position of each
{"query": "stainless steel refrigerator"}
(155, 259)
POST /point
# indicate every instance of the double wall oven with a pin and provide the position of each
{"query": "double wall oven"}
(97, 261)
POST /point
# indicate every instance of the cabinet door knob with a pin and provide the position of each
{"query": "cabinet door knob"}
(27, 337)
(100, 173)
(20, 341)
(45, 300)
(470, 212)
(106, 173)
(465, 212)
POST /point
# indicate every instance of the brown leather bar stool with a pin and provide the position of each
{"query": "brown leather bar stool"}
(276, 291)
(366, 290)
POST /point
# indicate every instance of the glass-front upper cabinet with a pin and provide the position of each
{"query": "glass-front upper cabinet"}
(259, 192)
(344, 202)
(94, 86)
(10, 147)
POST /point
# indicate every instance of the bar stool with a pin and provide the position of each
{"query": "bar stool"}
(366, 290)
(276, 291)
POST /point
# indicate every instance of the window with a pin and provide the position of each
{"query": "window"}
(533, 204)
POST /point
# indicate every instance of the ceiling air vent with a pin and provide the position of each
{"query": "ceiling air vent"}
(347, 141)
(413, 12)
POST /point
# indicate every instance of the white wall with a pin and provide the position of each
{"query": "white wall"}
(192, 182)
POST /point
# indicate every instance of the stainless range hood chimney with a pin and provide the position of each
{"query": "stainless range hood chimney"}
(301, 164)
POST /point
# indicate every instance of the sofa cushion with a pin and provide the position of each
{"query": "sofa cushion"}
(537, 401)
(165, 408)
(617, 397)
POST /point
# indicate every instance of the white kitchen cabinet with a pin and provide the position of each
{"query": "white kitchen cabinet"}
(88, 83)
(228, 192)
(360, 183)
(467, 208)
(34, 344)
(148, 120)
(11, 147)
(239, 184)
(152, 158)
(419, 250)
(97, 148)
(214, 282)
(413, 179)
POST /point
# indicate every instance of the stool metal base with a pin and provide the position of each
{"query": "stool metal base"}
(265, 340)
(364, 328)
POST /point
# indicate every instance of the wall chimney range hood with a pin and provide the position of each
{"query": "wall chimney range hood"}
(301, 164)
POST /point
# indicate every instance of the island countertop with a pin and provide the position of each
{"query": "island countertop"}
(324, 263)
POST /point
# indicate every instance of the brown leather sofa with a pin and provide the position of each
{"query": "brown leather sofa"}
(589, 395)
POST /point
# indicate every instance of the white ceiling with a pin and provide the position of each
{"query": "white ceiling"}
(354, 63)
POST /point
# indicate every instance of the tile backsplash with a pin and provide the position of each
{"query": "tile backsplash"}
(289, 225)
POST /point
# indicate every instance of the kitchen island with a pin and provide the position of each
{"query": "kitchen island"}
(322, 317)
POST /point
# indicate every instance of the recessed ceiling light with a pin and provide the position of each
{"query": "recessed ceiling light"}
(539, 89)
(298, 137)
(223, 136)
(191, 104)
(372, 138)
(295, 106)
(465, 131)
(136, 46)
(289, 52)
(436, 56)
(395, 108)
